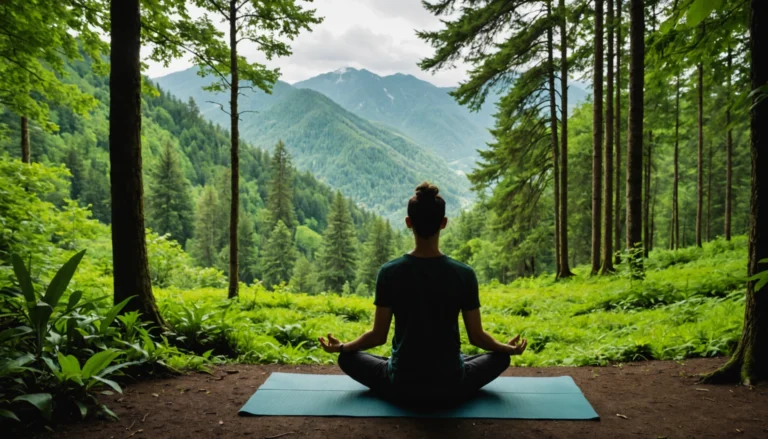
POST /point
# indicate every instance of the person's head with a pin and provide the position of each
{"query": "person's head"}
(426, 211)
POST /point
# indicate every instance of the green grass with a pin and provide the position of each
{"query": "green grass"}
(691, 304)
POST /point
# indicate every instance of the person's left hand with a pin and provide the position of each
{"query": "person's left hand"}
(332, 345)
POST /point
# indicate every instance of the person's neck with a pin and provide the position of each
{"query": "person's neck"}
(427, 248)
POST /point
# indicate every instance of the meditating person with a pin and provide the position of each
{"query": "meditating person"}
(425, 290)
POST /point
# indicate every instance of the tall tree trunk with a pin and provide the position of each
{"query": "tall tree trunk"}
(235, 155)
(700, 157)
(676, 177)
(608, 161)
(617, 133)
(597, 138)
(129, 247)
(709, 194)
(728, 154)
(634, 191)
(565, 270)
(749, 363)
(647, 197)
(553, 132)
(25, 154)
(653, 214)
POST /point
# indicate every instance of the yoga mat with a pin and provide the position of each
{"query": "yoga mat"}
(288, 394)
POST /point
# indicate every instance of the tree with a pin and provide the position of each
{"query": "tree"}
(280, 198)
(607, 254)
(675, 240)
(36, 41)
(76, 167)
(565, 270)
(262, 23)
(597, 136)
(647, 195)
(205, 245)
(169, 204)
(700, 155)
(728, 152)
(617, 133)
(301, 281)
(26, 156)
(338, 255)
(509, 45)
(749, 362)
(376, 252)
(247, 238)
(129, 246)
(278, 257)
(634, 199)
(555, 140)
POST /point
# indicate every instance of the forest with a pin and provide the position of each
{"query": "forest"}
(140, 238)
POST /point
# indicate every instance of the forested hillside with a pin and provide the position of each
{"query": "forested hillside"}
(186, 165)
(375, 165)
(426, 113)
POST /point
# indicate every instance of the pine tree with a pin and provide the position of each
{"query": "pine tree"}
(208, 224)
(280, 198)
(76, 167)
(376, 252)
(338, 254)
(278, 257)
(169, 204)
(301, 281)
(247, 249)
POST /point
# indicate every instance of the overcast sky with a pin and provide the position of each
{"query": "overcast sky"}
(378, 35)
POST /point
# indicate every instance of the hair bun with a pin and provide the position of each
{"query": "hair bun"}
(427, 190)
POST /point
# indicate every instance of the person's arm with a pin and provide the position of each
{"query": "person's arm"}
(371, 339)
(483, 340)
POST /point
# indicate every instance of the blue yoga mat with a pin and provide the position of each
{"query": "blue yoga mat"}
(288, 394)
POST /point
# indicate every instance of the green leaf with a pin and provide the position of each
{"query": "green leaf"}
(98, 362)
(8, 415)
(43, 402)
(69, 364)
(25, 281)
(83, 408)
(108, 412)
(110, 383)
(761, 279)
(12, 333)
(74, 298)
(109, 317)
(61, 280)
(700, 10)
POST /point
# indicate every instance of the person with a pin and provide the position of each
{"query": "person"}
(425, 290)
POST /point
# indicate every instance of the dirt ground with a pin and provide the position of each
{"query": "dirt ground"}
(658, 399)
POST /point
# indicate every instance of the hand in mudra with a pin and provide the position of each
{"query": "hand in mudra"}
(332, 345)
(517, 346)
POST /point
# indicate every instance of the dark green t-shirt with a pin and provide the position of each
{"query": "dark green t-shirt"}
(426, 296)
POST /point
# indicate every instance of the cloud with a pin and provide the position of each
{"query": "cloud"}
(409, 10)
(378, 35)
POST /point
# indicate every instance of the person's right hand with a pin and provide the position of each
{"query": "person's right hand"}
(517, 346)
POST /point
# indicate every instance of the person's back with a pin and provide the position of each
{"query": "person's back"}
(426, 295)
(425, 291)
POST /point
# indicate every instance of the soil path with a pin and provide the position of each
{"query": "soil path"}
(657, 399)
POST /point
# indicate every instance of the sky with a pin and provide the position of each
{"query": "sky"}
(377, 35)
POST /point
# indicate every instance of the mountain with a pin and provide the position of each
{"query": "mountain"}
(422, 111)
(417, 108)
(372, 163)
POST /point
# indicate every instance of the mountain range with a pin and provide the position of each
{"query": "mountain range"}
(373, 137)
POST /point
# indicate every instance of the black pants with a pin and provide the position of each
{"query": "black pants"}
(371, 371)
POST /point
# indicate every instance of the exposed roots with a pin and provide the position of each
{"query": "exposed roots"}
(730, 373)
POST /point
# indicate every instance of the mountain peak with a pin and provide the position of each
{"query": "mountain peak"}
(343, 70)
